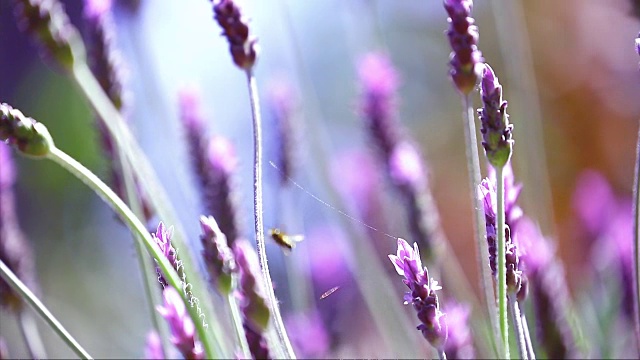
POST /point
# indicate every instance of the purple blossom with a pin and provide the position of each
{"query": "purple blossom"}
(182, 329)
(459, 343)
(308, 335)
(496, 129)
(379, 84)
(15, 250)
(235, 29)
(162, 238)
(217, 255)
(593, 201)
(515, 277)
(405, 166)
(153, 348)
(463, 37)
(512, 211)
(282, 104)
(421, 294)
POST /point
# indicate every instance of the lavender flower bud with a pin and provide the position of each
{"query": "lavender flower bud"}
(27, 135)
(512, 211)
(496, 129)
(48, 22)
(422, 293)
(214, 163)
(242, 48)
(162, 238)
(459, 343)
(549, 293)
(217, 254)
(282, 104)
(15, 250)
(463, 37)
(251, 299)
(153, 348)
(182, 329)
(379, 83)
(487, 193)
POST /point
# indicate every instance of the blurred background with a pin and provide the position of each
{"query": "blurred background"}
(569, 71)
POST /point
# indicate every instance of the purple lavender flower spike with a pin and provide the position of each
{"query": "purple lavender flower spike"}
(459, 343)
(47, 21)
(513, 212)
(182, 329)
(235, 29)
(15, 250)
(162, 238)
(487, 193)
(549, 293)
(496, 129)
(463, 37)
(422, 293)
(282, 103)
(405, 166)
(153, 348)
(379, 83)
(251, 299)
(217, 254)
(214, 162)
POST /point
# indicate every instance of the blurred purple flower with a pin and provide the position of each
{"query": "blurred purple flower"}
(405, 166)
(421, 294)
(282, 101)
(251, 298)
(459, 343)
(355, 175)
(15, 250)
(463, 37)
(153, 348)
(162, 238)
(182, 329)
(496, 129)
(593, 200)
(217, 255)
(308, 335)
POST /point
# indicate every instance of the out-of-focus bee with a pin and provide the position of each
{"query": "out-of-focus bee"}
(287, 242)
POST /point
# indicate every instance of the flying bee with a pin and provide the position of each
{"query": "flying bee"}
(287, 242)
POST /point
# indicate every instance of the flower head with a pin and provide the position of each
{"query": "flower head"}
(512, 211)
(496, 129)
(217, 254)
(153, 348)
(242, 48)
(162, 238)
(463, 37)
(421, 294)
(459, 341)
(183, 331)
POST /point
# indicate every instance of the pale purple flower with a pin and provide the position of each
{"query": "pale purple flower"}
(593, 201)
(459, 343)
(421, 294)
(153, 347)
(282, 101)
(182, 329)
(496, 129)
(217, 255)
(162, 238)
(465, 60)
(308, 335)
(512, 211)
(405, 166)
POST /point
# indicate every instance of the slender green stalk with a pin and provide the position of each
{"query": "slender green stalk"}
(26, 294)
(636, 242)
(473, 166)
(134, 224)
(144, 173)
(236, 318)
(258, 212)
(527, 336)
(517, 323)
(502, 265)
(147, 268)
(31, 335)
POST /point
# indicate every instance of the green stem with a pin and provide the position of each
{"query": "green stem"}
(236, 318)
(31, 335)
(502, 264)
(26, 294)
(527, 336)
(144, 173)
(134, 224)
(517, 323)
(636, 242)
(258, 214)
(479, 225)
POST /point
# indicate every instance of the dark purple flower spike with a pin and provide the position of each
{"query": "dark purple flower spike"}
(182, 329)
(496, 129)
(422, 293)
(463, 35)
(235, 29)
